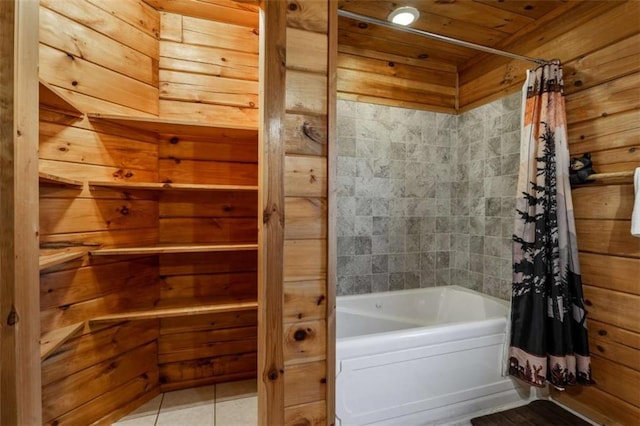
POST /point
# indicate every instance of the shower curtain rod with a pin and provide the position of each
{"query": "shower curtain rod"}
(438, 37)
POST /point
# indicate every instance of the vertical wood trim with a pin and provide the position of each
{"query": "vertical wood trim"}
(332, 255)
(20, 399)
(273, 26)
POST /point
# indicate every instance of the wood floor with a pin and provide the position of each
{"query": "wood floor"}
(536, 413)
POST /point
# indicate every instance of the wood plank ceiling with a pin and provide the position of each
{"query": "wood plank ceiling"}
(414, 71)
(486, 22)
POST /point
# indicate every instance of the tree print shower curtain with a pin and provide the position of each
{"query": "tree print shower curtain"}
(548, 330)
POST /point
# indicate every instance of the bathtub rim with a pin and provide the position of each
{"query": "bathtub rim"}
(450, 331)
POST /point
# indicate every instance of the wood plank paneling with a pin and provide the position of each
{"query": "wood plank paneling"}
(238, 285)
(19, 350)
(206, 172)
(89, 383)
(213, 33)
(144, 296)
(137, 28)
(306, 93)
(78, 284)
(616, 379)
(222, 115)
(621, 94)
(218, 204)
(603, 202)
(308, 15)
(227, 11)
(595, 135)
(310, 97)
(611, 272)
(205, 148)
(114, 403)
(311, 414)
(607, 237)
(73, 144)
(208, 60)
(613, 61)
(305, 342)
(86, 43)
(76, 74)
(305, 218)
(207, 322)
(305, 383)
(304, 300)
(305, 176)
(598, 405)
(612, 307)
(305, 134)
(95, 347)
(589, 31)
(208, 230)
(306, 51)
(207, 370)
(305, 260)
(271, 196)
(85, 215)
(189, 87)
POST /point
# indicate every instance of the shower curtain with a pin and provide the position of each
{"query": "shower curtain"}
(549, 340)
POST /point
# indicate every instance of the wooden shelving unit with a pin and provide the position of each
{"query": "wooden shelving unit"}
(177, 127)
(52, 340)
(49, 259)
(172, 249)
(151, 186)
(49, 179)
(176, 309)
(53, 99)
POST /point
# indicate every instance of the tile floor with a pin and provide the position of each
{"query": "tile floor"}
(226, 404)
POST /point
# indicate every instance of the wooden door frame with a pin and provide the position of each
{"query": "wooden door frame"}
(271, 149)
(271, 388)
(20, 383)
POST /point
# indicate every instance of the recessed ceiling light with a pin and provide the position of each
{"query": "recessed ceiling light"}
(404, 15)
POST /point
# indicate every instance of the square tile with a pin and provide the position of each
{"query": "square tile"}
(193, 407)
(145, 415)
(237, 404)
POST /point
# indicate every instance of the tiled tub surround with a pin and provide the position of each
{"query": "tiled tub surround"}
(394, 172)
(486, 159)
(426, 199)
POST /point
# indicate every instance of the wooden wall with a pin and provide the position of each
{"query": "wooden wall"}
(202, 50)
(600, 51)
(19, 332)
(388, 79)
(296, 374)
(208, 73)
(104, 57)
(305, 232)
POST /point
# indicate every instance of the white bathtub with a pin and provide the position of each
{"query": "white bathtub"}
(420, 357)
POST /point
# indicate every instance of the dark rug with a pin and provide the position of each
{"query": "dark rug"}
(536, 413)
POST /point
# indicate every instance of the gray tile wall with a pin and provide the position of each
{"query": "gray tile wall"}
(394, 196)
(426, 199)
(486, 159)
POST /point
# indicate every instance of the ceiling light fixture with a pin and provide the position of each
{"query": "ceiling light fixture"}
(404, 15)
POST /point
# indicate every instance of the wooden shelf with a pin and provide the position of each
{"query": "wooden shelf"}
(48, 259)
(52, 98)
(50, 179)
(177, 127)
(52, 340)
(612, 175)
(151, 186)
(176, 309)
(176, 248)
